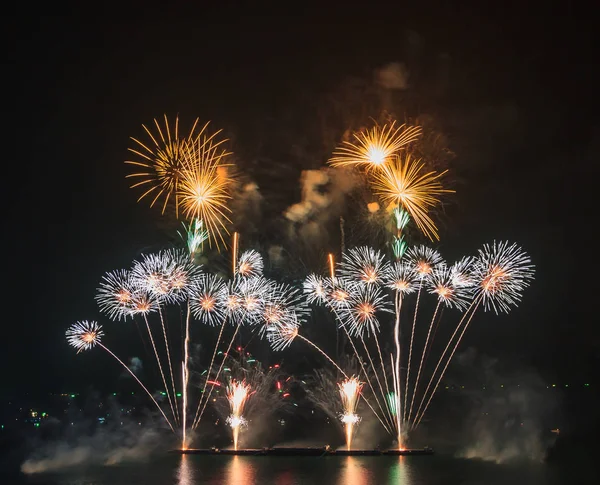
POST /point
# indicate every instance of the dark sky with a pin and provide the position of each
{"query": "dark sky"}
(517, 98)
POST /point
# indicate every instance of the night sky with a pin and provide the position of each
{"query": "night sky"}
(514, 91)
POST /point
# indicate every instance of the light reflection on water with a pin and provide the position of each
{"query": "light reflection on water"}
(185, 473)
(239, 471)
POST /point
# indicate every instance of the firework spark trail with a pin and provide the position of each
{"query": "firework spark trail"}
(350, 390)
(160, 366)
(162, 322)
(237, 395)
(186, 375)
(322, 352)
(212, 361)
(387, 408)
(140, 383)
(218, 374)
(364, 372)
(236, 239)
(476, 301)
(398, 396)
(446, 366)
(412, 336)
(412, 401)
(387, 388)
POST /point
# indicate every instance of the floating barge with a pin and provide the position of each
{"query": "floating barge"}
(283, 451)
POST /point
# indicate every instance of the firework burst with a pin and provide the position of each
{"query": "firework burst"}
(402, 183)
(442, 284)
(373, 148)
(502, 272)
(364, 265)
(350, 390)
(115, 294)
(315, 289)
(159, 161)
(250, 264)
(280, 336)
(208, 296)
(359, 316)
(423, 260)
(84, 335)
(204, 188)
(237, 394)
(401, 277)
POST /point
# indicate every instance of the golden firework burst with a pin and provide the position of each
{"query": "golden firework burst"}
(374, 148)
(402, 182)
(159, 160)
(204, 185)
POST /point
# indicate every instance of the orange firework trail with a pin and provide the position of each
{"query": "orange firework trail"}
(237, 395)
(350, 390)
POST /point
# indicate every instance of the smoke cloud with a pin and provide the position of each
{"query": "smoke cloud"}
(105, 447)
(393, 76)
(509, 413)
(323, 199)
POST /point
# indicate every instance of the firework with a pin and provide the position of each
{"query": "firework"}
(250, 265)
(207, 299)
(423, 260)
(402, 183)
(350, 390)
(246, 299)
(237, 394)
(84, 335)
(314, 289)
(360, 313)
(142, 303)
(160, 160)
(194, 236)
(168, 274)
(502, 272)
(363, 265)
(374, 148)
(401, 278)
(462, 272)
(115, 293)
(204, 188)
(441, 283)
(280, 336)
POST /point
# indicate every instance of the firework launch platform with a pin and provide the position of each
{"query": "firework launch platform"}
(323, 451)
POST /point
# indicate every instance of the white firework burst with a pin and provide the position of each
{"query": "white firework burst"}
(401, 277)
(115, 293)
(360, 314)
(208, 296)
(84, 335)
(250, 264)
(501, 273)
(315, 289)
(441, 283)
(363, 265)
(423, 260)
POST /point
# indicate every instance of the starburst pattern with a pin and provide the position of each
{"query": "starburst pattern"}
(84, 335)
(364, 265)
(403, 183)
(315, 289)
(208, 296)
(204, 188)
(441, 283)
(115, 294)
(423, 260)
(373, 148)
(502, 272)
(400, 277)
(159, 160)
(360, 314)
(250, 264)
